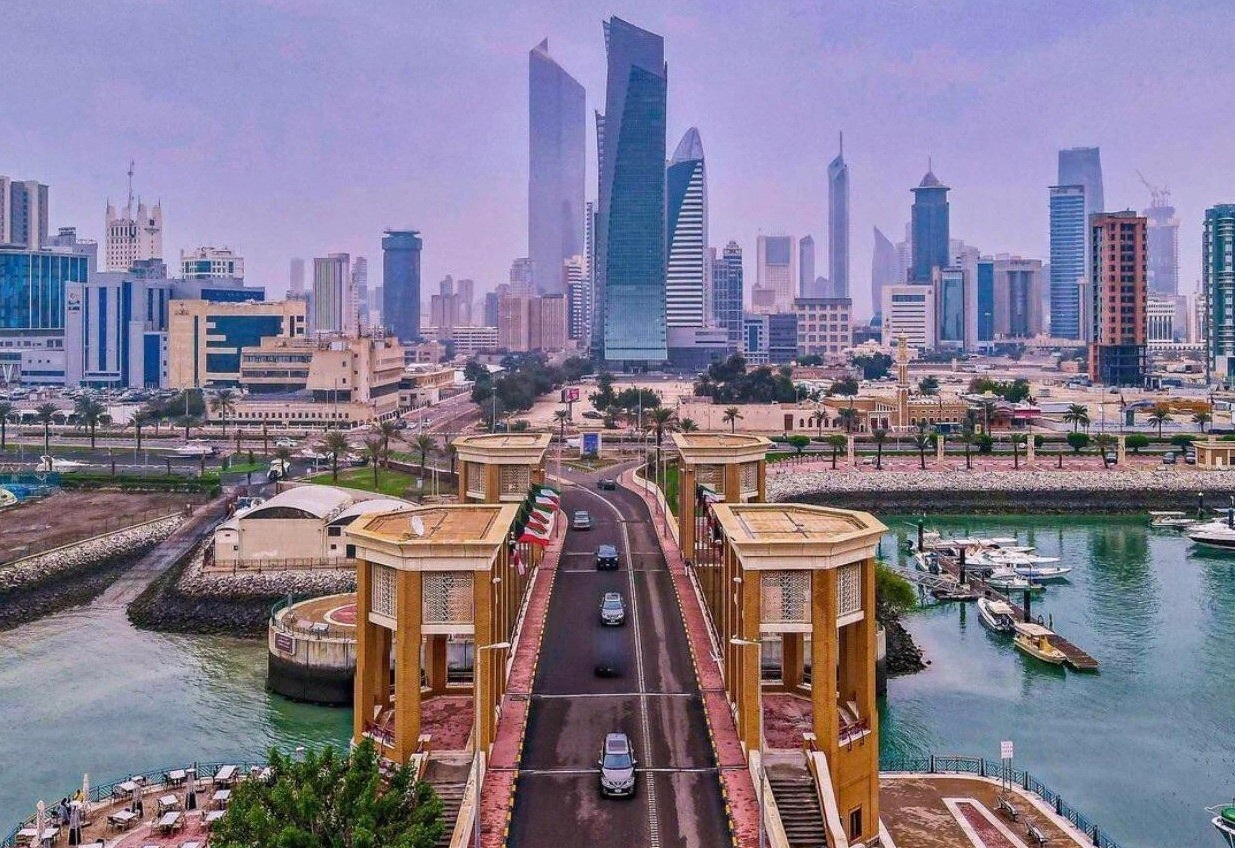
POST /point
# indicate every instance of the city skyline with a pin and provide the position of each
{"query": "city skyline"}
(258, 181)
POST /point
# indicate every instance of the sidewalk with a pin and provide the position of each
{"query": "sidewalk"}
(737, 787)
(497, 798)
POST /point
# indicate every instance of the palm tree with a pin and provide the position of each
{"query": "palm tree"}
(139, 419)
(837, 441)
(1104, 444)
(922, 441)
(967, 430)
(187, 421)
(335, 444)
(662, 420)
(731, 416)
(688, 425)
(284, 456)
(1018, 439)
(386, 430)
(89, 412)
(374, 451)
(1203, 417)
(424, 443)
(849, 417)
(1077, 415)
(44, 415)
(561, 416)
(224, 403)
(1161, 415)
(6, 409)
(880, 436)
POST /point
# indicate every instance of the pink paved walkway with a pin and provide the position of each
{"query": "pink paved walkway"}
(737, 787)
(498, 795)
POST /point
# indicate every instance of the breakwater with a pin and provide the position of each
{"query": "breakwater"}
(1005, 492)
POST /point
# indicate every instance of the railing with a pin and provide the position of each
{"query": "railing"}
(954, 764)
(105, 792)
(100, 528)
(249, 566)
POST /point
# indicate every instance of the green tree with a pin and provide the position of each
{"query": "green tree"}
(140, 418)
(336, 445)
(89, 413)
(798, 442)
(1136, 441)
(1018, 439)
(731, 417)
(424, 443)
(387, 432)
(810, 359)
(662, 419)
(922, 440)
(1078, 441)
(375, 452)
(688, 425)
(1203, 418)
(44, 414)
(187, 422)
(929, 385)
(880, 436)
(874, 365)
(1160, 415)
(985, 443)
(6, 409)
(331, 800)
(1181, 440)
(224, 403)
(603, 397)
(1076, 415)
(893, 593)
(561, 416)
(837, 441)
(848, 416)
(1104, 443)
(847, 387)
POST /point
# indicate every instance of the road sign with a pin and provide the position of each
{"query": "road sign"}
(590, 445)
(1005, 749)
(570, 394)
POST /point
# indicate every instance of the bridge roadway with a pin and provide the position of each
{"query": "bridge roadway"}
(655, 700)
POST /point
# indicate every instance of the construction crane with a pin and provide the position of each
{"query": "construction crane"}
(1160, 196)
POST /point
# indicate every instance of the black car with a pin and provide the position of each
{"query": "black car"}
(606, 558)
(606, 483)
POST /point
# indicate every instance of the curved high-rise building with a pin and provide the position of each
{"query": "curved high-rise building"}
(838, 223)
(401, 283)
(556, 169)
(686, 180)
(630, 228)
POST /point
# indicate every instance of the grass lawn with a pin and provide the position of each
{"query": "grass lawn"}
(670, 476)
(393, 483)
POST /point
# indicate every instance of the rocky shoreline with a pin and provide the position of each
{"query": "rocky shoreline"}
(188, 599)
(47, 583)
(903, 654)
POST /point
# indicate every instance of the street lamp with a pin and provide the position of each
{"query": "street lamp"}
(758, 644)
(496, 646)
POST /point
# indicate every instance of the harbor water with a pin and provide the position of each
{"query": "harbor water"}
(1141, 746)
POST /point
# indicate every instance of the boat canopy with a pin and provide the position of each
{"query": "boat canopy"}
(1028, 628)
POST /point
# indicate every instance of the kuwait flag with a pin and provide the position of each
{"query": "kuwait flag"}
(520, 565)
(535, 536)
(548, 496)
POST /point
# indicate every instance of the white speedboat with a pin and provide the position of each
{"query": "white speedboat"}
(48, 464)
(1170, 518)
(1017, 558)
(1224, 821)
(195, 447)
(996, 615)
(1007, 580)
(1042, 572)
(1214, 534)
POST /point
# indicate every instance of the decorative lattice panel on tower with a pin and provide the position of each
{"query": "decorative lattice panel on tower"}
(382, 590)
(476, 479)
(514, 480)
(849, 589)
(712, 476)
(750, 476)
(784, 597)
(447, 597)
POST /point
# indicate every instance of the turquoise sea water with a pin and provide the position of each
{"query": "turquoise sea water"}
(1142, 746)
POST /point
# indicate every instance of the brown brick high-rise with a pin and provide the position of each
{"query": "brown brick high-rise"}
(1118, 291)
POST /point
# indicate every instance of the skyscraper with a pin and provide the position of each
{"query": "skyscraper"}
(806, 268)
(727, 293)
(1082, 166)
(930, 228)
(686, 180)
(1218, 293)
(331, 280)
(358, 303)
(132, 237)
(630, 236)
(1118, 292)
(776, 274)
(1068, 261)
(838, 223)
(883, 269)
(401, 283)
(23, 213)
(556, 172)
(1163, 242)
(295, 276)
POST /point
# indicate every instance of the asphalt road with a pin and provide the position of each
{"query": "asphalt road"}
(655, 700)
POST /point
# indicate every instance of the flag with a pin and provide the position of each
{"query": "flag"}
(539, 522)
(548, 494)
(520, 565)
(546, 502)
(536, 536)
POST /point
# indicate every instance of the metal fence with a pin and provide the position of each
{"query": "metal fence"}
(113, 524)
(954, 764)
(107, 791)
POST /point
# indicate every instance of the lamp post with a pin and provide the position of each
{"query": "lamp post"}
(757, 644)
(496, 646)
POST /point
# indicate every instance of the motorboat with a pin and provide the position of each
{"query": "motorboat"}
(928, 562)
(996, 615)
(1224, 821)
(1170, 518)
(1007, 580)
(1019, 557)
(1214, 534)
(1042, 572)
(195, 448)
(7, 499)
(49, 464)
(1035, 640)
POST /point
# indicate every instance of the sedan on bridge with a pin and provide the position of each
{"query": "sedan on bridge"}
(617, 767)
(606, 558)
(612, 609)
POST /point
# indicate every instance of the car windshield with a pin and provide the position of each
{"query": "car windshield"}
(617, 761)
(613, 603)
(607, 551)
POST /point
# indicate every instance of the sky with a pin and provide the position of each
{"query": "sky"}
(289, 128)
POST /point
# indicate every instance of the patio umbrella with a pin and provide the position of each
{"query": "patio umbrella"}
(40, 822)
(190, 792)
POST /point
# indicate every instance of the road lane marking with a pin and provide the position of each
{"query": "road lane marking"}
(591, 772)
(564, 695)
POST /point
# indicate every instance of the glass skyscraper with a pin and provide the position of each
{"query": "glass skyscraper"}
(630, 232)
(686, 179)
(401, 283)
(1068, 259)
(556, 173)
(32, 288)
(929, 224)
(1218, 292)
(727, 293)
(838, 224)
(883, 269)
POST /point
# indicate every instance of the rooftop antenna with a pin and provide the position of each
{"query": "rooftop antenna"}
(129, 207)
(842, 144)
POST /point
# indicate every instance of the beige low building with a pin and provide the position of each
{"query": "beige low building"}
(422, 385)
(298, 528)
(205, 340)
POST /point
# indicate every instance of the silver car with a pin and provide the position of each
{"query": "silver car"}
(617, 767)
(612, 609)
(582, 520)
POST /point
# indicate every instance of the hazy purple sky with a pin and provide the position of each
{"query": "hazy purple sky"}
(298, 128)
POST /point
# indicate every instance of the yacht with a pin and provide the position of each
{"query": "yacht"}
(1007, 580)
(997, 615)
(1035, 640)
(1019, 557)
(1224, 821)
(1214, 534)
(1042, 572)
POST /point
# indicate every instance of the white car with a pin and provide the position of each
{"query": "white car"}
(285, 443)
